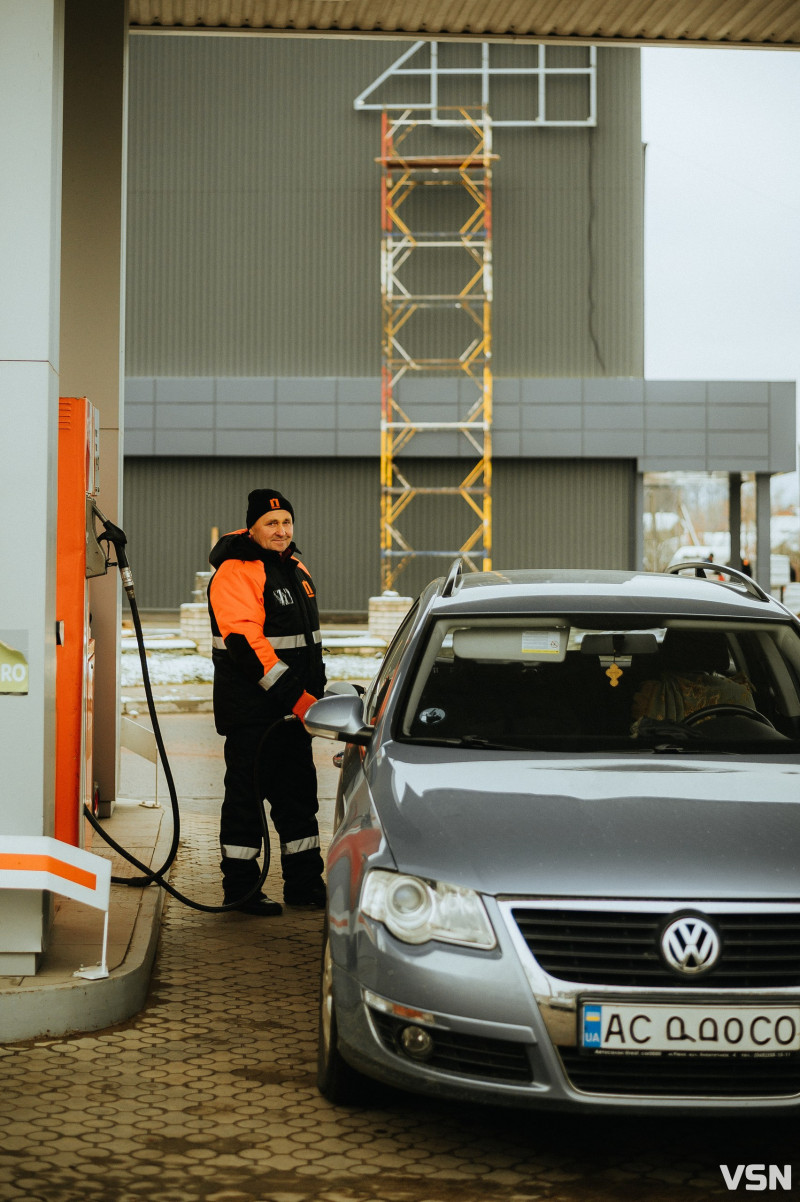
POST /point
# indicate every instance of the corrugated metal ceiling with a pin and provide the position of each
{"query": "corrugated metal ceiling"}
(631, 22)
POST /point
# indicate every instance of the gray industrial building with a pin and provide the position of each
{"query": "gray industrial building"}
(254, 319)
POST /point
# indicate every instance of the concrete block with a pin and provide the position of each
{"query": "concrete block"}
(184, 417)
(305, 417)
(625, 390)
(195, 625)
(737, 392)
(140, 390)
(751, 446)
(506, 417)
(676, 445)
(358, 417)
(688, 417)
(506, 445)
(506, 392)
(188, 390)
(431, 444)
(184, 442)
(305, 442)
(550, 392)
(385, 613)
(411, 392)
(613, 417)
(306, 390)
(551, 418)
(539, 444)
(245, 390)
(244, 442)
(358, 390)
(666, 463)
(245, 417)
(613, 444)
(782, 427)
(138, 442)
(738, 417)
(675, 392)
(139, 417)
(358, 443)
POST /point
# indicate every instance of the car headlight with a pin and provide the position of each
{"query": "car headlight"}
(417, 911)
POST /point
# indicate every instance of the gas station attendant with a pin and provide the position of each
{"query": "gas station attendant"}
(268, 666)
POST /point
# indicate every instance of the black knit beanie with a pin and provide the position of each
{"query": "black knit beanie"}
(261, 500)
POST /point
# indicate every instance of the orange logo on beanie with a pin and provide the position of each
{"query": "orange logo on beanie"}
(274, 503)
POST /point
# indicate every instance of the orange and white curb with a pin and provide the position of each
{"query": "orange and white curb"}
(39, 862)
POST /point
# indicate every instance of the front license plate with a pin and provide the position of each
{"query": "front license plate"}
(608, 1026)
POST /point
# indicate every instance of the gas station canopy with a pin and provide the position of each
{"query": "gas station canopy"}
(747, 23)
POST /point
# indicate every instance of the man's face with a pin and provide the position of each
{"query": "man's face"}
(273, 530)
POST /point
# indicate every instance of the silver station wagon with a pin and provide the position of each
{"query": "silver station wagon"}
(564, 871)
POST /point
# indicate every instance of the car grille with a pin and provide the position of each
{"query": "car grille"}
(469, 1055)
(609, 947)
(683, 1077)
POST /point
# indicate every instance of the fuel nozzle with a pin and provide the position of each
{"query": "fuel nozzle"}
(117, 536)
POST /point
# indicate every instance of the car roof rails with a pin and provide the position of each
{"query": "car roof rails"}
(701, 566)
(453, 581)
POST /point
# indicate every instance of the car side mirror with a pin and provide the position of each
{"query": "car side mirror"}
(339, 716)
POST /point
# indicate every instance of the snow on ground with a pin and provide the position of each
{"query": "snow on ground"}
(167, 668)
(164, 668)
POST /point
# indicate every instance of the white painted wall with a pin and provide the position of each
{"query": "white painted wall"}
(31, 66)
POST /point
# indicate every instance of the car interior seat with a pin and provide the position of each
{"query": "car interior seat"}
(694, 673)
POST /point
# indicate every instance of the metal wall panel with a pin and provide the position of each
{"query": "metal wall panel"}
(565, 513)
(254, 218)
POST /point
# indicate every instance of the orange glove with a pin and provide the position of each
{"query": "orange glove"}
(303, 704)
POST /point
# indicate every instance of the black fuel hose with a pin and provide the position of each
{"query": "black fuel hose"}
(113, 534)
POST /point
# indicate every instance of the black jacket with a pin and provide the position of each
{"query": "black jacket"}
(267, 648)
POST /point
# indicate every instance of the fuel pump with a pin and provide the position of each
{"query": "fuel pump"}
(80, 557)
(115, 537)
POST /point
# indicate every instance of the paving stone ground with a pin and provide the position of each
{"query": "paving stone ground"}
(208, 1095)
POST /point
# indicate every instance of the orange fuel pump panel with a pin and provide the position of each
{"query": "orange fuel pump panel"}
(77, 478)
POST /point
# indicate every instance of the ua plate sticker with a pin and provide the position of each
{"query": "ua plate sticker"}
(592, 1027)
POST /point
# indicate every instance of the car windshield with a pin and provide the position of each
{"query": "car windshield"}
(567, 682)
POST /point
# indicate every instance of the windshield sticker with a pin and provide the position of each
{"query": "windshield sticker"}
(541, 642)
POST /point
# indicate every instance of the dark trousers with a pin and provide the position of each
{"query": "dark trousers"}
(286, 777)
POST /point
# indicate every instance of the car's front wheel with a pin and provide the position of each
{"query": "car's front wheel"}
(336, 1079)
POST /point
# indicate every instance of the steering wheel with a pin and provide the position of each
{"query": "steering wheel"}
(719, 710)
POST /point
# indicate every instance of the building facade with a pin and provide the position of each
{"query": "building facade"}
(254, 316)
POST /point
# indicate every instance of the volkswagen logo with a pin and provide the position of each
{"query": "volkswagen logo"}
(690, 945)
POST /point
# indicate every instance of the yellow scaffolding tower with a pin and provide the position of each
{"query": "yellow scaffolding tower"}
(407, 174)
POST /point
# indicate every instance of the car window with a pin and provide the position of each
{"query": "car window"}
(379, 688)
(561, 678)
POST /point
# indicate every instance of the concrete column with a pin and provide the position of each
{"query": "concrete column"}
(31, 59)
(637, 525)
(92, 303)
(763, 530)
(735, 518)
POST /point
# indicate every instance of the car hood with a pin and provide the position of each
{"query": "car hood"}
(592, 825)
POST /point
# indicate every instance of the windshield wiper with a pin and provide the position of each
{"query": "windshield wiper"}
(481, 743)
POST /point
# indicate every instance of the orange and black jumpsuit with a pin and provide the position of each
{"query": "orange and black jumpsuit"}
(267, 654)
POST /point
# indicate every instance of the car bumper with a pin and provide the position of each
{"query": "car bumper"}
(502, 1032)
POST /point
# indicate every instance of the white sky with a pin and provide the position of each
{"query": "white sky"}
(722, 215)
(722, 243)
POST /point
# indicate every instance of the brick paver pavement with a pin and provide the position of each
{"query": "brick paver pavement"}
(209, 1094)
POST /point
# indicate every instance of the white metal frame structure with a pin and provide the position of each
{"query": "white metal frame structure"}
(434, 72)
(403, 175)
